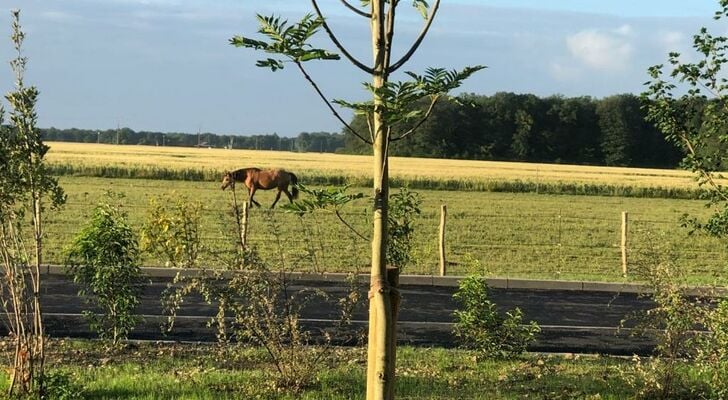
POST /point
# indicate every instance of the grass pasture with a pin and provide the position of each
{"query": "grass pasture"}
(187, 371)
(504, 215)
(524, 235)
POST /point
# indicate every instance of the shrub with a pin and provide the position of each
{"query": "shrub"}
(713, 352)
(403, 207)
(61, 386)
(103, 259)
(172, 230)
(673, 322)
(479, 326)
(261, 306)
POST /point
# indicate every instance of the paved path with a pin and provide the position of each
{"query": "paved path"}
(571, 320)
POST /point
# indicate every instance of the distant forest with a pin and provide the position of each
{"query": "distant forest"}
(523, 127)
(504, 126)
(323, 142)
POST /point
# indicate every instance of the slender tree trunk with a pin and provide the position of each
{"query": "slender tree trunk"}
(39, 333)
(380, 368)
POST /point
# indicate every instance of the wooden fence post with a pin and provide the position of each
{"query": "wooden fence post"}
(241, 220)
(624, 243)
(244, 229)
(443, 261)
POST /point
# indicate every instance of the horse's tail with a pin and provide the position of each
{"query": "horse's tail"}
(294, 186)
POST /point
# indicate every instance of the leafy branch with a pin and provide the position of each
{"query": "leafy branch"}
(330, 199)
(291, 42)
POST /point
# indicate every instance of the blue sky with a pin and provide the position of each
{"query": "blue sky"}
(627, 8)
(165, 65)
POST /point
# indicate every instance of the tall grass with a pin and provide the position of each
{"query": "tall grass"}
(325, 179)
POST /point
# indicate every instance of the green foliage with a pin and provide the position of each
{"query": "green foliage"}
(690, 107)
(401, 101)
(329, 198)
(286, 40)
(713, 351)
(172, 230)
(673, 323)
(258, 305)
(554, 129)
(479, 325)
(103, 259)
(25, 185)
(404, 206)
(62, 386)
(305, 141)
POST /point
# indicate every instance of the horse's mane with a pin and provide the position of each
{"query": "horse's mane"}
(240, 174)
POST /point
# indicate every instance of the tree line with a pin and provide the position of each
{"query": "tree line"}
(324, 142)
(505, 126)
(524, 127)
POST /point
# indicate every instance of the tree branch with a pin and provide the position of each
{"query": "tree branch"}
(419, 39)
(328, 103)
(351, 228)
(389, 36)
(422, 121)
(356, 10)
(369, 125)
(338, 44)
(707, 175)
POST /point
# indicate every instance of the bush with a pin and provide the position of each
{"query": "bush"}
(404, 206)
(713, 352)
(259, 305)
(103, 260)
(673, 322)
(172, 230)
(479, 326)
(61, 386)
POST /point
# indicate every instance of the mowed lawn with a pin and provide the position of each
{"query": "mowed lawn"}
(327, 164)
(189, 371)
(524, 235)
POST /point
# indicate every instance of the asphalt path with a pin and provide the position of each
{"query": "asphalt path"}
(571, 320)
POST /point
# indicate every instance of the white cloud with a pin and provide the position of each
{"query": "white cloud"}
(624, 30)
(600, 51)
(672, 39)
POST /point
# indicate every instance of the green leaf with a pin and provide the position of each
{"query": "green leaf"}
(421, 6)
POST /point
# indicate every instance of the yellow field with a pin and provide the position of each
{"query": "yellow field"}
(352, 165)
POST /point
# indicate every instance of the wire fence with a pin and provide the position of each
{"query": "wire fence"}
(498, 240)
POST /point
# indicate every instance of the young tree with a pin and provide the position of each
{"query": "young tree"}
(393, 106)
(103, 259)
(691, 109)
(24, 185)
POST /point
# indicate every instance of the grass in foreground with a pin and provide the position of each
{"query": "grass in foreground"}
(175, 371)
(522, 235)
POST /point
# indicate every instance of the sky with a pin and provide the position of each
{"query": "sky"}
(166, 65)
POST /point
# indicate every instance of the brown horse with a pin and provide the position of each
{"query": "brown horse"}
(255, 178)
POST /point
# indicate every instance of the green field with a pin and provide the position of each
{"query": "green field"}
(523, 235)
(174, 371)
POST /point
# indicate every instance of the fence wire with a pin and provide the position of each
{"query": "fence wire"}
(561, 243)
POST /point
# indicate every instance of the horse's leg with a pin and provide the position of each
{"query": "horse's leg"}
(252, 201)
(290, 196)
(278, 196)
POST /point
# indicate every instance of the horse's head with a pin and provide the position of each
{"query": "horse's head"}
(228, 180)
